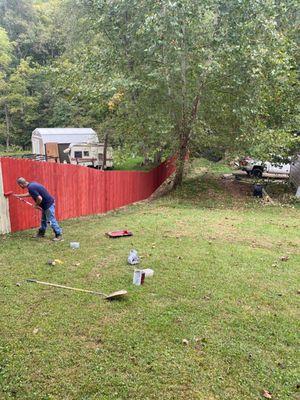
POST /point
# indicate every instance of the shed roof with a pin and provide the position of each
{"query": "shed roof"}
(65, 135)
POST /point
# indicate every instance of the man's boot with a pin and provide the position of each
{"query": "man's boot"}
(58, 238)
(40, 234)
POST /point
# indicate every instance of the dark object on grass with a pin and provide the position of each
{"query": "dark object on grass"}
(118, 234)
(110, 296)
(258, 191)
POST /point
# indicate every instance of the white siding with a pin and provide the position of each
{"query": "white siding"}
(295, 172)
(35, 146)
(41, 147)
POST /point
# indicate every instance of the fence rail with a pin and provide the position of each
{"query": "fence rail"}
(77, 190)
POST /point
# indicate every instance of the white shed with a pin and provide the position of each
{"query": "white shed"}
(62, 136)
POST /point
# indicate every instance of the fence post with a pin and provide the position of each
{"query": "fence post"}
(4, 208)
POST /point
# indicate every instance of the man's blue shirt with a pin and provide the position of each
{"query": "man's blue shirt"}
(36, 189)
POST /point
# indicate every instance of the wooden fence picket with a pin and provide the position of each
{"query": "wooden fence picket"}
(77, 190)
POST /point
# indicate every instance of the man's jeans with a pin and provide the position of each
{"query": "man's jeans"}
(48, 216)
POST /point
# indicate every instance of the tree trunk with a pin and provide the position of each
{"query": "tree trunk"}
(184, 141)
(182, 155)
(105, 149)
(7, 126)
(184, 128)
(158, 157)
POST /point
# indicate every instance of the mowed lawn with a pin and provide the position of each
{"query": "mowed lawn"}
(218, 320)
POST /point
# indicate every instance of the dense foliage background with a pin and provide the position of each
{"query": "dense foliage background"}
(154, 76)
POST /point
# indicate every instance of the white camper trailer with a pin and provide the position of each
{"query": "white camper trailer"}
(90, 155)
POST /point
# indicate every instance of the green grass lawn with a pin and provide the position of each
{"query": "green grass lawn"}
(218, 320)
(12, 152)
(130, 163)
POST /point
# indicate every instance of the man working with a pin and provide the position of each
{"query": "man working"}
(44, 202)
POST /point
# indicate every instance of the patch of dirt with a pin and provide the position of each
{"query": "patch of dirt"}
(95, 273)
(163, 189)
(90, 342)
(236, 189)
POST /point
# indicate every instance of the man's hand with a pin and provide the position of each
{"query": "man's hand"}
(38, 207)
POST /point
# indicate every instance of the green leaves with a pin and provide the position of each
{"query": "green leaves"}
(19, 102)
(270, 144)
(185, 68)
(5, 50)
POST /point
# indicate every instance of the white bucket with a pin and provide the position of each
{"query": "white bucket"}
(138, 277)
(148, 272)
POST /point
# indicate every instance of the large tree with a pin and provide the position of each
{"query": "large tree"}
(5, 60)
(160, 75)
(35, 33)
(190, 69)
(35, 28)
(20, 105)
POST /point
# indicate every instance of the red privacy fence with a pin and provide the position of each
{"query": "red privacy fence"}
(78, 190)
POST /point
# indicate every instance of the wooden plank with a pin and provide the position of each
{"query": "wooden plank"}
(52, 152)
(5, 226)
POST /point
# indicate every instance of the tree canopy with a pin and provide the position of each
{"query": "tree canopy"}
(159, 76)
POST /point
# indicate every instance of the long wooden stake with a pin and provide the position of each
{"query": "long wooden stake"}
(107, 296)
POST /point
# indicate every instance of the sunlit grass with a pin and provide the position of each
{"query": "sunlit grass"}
(218, 320)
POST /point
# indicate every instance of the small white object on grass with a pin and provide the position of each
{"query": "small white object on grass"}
(137, 277)
(148, 272)
(133, 257)
(74, 245)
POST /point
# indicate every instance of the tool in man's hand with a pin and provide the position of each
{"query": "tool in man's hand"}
(8, 194)
(110, 296)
